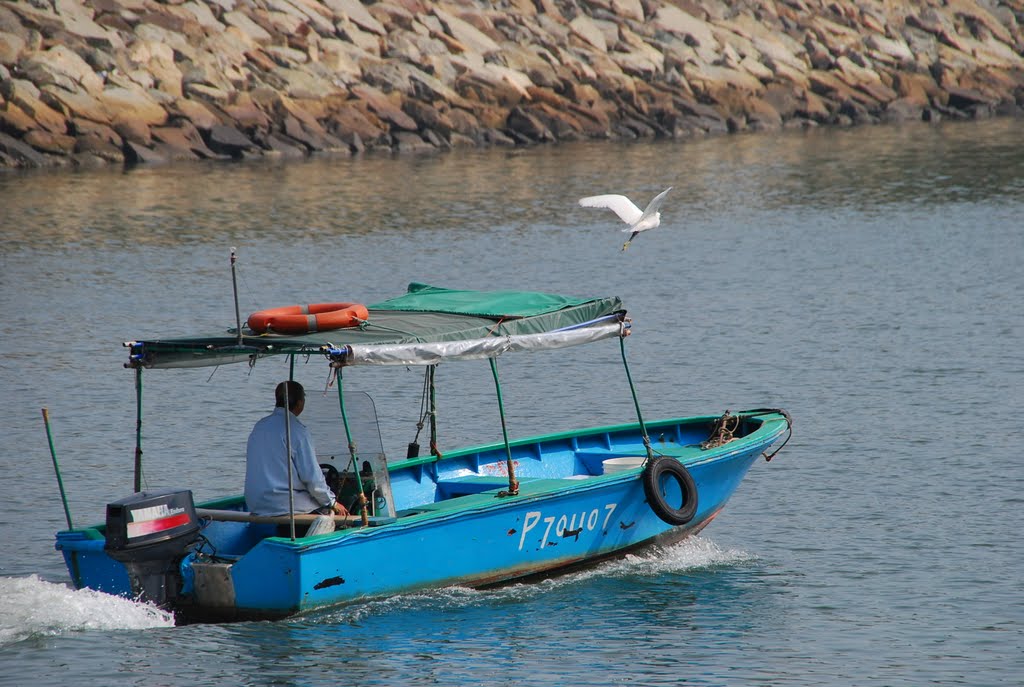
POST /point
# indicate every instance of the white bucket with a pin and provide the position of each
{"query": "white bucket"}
(624, 464)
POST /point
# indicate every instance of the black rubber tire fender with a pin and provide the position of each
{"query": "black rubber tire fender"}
(672, 468)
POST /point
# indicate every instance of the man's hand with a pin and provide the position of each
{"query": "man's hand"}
(339, 509)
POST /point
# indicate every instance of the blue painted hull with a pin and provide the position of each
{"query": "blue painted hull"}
(453, 526)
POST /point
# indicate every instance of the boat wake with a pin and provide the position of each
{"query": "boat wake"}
(690, 555)
(31, 607)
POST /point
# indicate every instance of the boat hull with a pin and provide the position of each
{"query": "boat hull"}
(478, 537)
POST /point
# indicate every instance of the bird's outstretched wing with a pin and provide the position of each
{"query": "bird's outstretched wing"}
(655, 204)
(621, 205)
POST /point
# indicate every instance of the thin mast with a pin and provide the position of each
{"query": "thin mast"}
(234, 287)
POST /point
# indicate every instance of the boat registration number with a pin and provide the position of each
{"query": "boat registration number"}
(564, 525)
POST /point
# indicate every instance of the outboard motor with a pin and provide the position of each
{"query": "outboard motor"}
(150, 532)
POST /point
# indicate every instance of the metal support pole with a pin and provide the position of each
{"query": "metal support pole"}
(56, 469)
(138, 428)
(352, 452)
(288, 459)
(234, 287)
(636, 402)
(513, 483)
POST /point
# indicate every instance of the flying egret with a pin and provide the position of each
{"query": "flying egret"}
(629, 213)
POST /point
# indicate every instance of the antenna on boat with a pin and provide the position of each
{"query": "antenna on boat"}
(234, 287)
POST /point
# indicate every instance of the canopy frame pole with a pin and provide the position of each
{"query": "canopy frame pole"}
(354, 463)
(434, 450)
(138, 428)
(636, 402)
(234, 287)
(513, 483)
(288, 457)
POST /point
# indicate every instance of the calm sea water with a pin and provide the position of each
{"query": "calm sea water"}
(870, 281)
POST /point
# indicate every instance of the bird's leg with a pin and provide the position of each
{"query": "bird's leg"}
(631, 237)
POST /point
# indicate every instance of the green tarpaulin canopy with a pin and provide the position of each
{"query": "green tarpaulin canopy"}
(424, 326)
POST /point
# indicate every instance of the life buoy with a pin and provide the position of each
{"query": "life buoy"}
(667, 467)
(304, 319)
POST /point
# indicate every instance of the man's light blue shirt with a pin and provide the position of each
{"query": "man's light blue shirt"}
(266, 479)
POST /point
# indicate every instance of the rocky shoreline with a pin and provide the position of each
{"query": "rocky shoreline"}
(95, 82)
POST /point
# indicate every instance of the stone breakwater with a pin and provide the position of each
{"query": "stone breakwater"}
(85, 82)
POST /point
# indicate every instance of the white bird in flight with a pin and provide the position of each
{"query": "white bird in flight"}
(629, 213)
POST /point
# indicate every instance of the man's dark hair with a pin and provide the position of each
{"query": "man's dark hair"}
(295, 394)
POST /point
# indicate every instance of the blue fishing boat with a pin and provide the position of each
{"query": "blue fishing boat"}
(477, 516)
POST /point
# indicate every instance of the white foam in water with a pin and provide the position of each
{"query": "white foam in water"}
(693, 553)
(30, 607)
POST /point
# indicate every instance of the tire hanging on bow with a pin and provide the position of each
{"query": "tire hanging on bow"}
(658, 474)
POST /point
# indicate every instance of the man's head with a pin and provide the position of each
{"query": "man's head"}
(296, 396)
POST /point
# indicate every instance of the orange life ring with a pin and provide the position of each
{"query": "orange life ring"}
(304, 319)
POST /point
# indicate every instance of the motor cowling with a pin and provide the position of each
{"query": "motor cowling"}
(150, 532)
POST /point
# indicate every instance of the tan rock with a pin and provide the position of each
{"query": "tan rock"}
(15, 120)
(205, 92)
(674, 20)
(464, 122)
(184, 137)
(243, 22)
(978, 13)
(429, 116)
(896, 50)
(638, 63)
(133, 104)
(79, 104)
(342, 59)
(133, 130)
(834, 36)
(352, 119)
(829, 85)
(917, 88)
(298, 83)
(176, 41)
(62, 66)
(78, 21)
(99, 147)
(466, 33)
(11, 46)
(356, 12)
(195, 112)
(84, 127)
(49, 142)
(364, 40)
(585, 28)
(30, 100)
(247, 116)
(318, 17)
(203, 15)
(392, 16)
(384, 107)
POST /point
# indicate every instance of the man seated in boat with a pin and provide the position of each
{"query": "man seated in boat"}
(266, 477)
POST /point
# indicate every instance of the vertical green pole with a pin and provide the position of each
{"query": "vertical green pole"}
(352, 452)
(636, 403)
(138, 428)
(513, 483)
(56, 469)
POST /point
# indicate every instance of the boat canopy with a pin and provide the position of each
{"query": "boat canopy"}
(424, 326)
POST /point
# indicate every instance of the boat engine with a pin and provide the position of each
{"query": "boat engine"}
(150, 532)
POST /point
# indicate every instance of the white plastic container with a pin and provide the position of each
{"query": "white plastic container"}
(624, 464)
